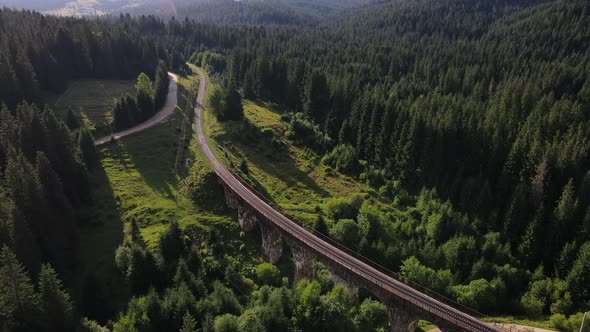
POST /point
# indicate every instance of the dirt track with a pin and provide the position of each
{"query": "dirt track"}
(165, 112)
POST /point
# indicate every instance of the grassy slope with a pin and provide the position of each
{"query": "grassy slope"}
(293, 178)
(138, 181)
(92, 99)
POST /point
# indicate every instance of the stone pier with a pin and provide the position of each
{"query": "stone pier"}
(272, 242)
(304, 261)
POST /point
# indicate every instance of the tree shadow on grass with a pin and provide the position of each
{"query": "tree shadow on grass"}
(153, 151)
(276, 162)
(150, 153)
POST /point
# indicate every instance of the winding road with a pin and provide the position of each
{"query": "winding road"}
(329, 251)
(164, 113)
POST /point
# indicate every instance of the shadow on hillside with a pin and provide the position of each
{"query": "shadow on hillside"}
(277, 163)
(151, 154)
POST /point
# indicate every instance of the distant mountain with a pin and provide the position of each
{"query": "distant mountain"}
(265, 12)
(76, 7)
(34, 4)
(253, 12)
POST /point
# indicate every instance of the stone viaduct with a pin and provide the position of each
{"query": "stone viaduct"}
(403, 313)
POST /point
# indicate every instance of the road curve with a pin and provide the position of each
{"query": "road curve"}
(327, 250)
(165, 112)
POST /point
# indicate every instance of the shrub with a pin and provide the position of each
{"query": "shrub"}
(344, 159)
(559, 321)
(268, 274)
(347, 232)
(268, 133)
(226, 323)
(244, 166)
(306, 133)
(341, 209)
(286, 118)
(202, 187)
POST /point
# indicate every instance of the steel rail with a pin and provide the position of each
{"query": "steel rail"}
(327, 250)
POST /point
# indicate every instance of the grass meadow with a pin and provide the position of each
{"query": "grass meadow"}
(93, 100)
(139, 180)
(290, 176)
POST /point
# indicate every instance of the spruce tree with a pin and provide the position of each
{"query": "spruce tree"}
(17, 235)
(71, 120)
(55, 302)
(189, 324)
(316, 98)
(232, 105)
(60, 236)
(19, 303)
(320, 225)
(578, 278)
(88, 149)
(161, 85)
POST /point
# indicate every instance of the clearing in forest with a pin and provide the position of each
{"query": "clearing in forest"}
(92, 100)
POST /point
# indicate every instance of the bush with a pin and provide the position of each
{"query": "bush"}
(306, 133)
(268, 274)
(244, 166)
(268, 133)
(344, 159)
(571, 324)
(202, 187)
(347, 232)
(286, 118)
(479, 294)
(559, 321)
(341, 209)
(374, 177)
(226, 323)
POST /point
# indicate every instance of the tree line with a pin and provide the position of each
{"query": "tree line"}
(470, 118)
(486, 102)
(149, 98)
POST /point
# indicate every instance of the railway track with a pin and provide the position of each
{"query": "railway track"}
(329, 251)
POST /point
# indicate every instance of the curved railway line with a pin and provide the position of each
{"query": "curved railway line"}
(327, 250)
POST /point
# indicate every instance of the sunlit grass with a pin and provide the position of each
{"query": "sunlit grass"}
(294, 177)
(541, 322)
(92, 100)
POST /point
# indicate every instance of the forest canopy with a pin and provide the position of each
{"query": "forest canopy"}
(470, 121)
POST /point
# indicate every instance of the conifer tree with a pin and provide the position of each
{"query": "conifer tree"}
(320, 225)
(88, 149)
(161, 85)
(55, 302)
(19, 302)
(578, 278)
(316, 99)
(16, 234)
(232, 105)
(189, 324)
(59, 231)
(71, 120)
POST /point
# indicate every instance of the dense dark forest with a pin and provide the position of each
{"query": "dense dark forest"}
(470, 118)
(485, 102)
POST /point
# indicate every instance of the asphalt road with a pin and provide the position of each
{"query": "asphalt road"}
(165, 112)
